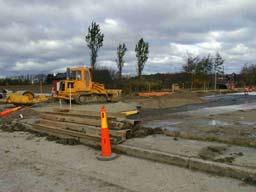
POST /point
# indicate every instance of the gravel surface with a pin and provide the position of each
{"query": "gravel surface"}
(30, 163)
(111, 107)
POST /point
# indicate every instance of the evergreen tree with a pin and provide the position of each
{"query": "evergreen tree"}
(121, 50)
(142, 51)
(94, 40)
(217, 67)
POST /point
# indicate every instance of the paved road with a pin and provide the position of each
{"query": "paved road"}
(31, 163)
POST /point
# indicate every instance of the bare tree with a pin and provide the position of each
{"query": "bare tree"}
(94, 40)
(190, 67)
(142, 51)
(121, 50)
(204, 68)
(217, 67)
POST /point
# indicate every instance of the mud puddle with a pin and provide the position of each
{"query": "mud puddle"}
(169, 125)
(172, 125)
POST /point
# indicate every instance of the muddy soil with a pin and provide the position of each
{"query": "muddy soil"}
(148, 113)
(213, 153)
(195, 121)
(164, 102)
(25, 112)
(234, 128)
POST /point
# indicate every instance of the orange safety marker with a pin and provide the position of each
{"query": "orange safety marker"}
(8, 111)
(106, 153)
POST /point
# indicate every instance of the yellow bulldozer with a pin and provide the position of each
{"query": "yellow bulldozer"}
(79, 88)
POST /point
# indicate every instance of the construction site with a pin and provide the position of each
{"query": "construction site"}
(81, 134)
(127, 96)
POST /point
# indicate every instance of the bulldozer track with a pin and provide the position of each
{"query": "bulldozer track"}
(90, 98)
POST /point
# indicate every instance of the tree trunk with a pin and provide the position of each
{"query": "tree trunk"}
(139, 73)
(191, 88)
(93, 62)
(215, 81)
(120, 73)
(93, 58)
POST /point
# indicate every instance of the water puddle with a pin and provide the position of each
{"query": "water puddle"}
(221, 109)
(252, 135)
(250, 123)
(173, 125)
(218, 123)
(211, 122)
(163, 124)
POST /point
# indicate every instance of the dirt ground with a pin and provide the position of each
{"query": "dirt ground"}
(31, 163)
(173, 100)
(225, 118)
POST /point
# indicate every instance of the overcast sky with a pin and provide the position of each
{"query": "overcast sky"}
(47, 36)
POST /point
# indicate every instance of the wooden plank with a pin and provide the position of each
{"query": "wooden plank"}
(46, 131)
(72, 114)
(62, 133)
(38, 126)
(86, 113)
(115, 124)
(87, 140)
(78, 120)
(92, 130)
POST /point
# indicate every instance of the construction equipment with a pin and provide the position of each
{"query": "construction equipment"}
(21, 97)
(80, 88)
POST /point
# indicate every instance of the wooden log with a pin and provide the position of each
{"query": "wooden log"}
(78, 120)
(115, 124)
(86, 113)
(120, 134)
(63, 133)
(47, 131)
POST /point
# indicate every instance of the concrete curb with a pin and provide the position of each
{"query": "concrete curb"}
(152, 155)
(217, 168)
(222, 169)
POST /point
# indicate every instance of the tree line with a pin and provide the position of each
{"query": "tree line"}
(201, 68)
(248, 73)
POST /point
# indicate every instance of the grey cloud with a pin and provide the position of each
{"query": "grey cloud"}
(48, 35)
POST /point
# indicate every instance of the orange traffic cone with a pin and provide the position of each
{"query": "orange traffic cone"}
(106, 153)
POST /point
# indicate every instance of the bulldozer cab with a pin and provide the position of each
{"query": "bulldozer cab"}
(77, 79)
(74, 74)
(81, 75)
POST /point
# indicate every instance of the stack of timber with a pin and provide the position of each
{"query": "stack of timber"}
(81, 126)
